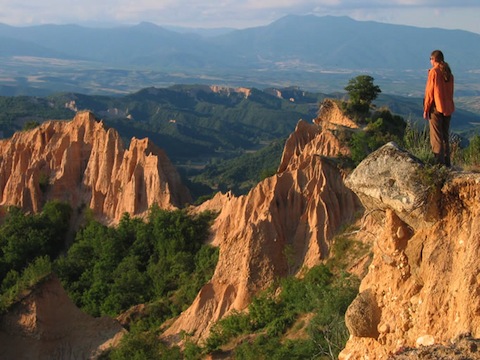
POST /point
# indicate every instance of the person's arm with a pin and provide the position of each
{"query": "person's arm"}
(429, 94)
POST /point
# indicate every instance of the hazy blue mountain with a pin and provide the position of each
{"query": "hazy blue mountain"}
(127, 45)
(16, 47)
(314, 53)
(331, 42)
(205, 32)
(341, 42)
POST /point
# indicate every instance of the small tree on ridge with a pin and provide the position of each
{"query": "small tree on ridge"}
(362, 92)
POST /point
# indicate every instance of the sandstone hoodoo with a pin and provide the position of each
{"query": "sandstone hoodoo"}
(85, 164)
(299, 208)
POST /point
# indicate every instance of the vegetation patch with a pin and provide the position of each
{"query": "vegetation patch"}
(107, 270)
(314, 305)
(379, 128)
(239, 174)
(276, 310)
(469, 157)
(28, 243)
(161, 262)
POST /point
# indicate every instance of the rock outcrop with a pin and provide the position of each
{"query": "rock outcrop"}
(85, 164)
(331, 116)
(424, 278)
(388, 179)
(422, 289)
(46, 324)
(283, 224)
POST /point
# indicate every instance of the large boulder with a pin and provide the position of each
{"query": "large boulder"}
(363, 315)
(388, 179)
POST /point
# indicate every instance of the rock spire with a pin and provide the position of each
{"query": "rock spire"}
(85, 164)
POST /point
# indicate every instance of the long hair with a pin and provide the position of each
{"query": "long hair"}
(437, 55)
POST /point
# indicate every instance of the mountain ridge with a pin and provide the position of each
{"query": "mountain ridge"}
(339, 36)
(307, 51)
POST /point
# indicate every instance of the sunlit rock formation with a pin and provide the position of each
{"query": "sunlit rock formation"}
(85, 164)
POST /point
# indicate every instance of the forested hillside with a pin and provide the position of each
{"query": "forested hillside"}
(189, 122)
(210, 133)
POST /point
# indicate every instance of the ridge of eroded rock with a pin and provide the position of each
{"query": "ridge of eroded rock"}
(85, 164)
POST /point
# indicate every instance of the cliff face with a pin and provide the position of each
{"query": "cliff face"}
(46, 324)
(85, 164)
(423, 285)
(281, 225)
(331, 116)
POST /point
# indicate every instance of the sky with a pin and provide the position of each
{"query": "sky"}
(239, 14)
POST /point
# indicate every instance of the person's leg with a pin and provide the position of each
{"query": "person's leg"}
(446, 139)
(436, 137)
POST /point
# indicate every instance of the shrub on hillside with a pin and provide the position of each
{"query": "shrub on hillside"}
(470, 156)
(24, 237)
(107, 270)
(272, 312)
(381, 128)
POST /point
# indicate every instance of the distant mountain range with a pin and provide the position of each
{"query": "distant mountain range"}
(315, 53)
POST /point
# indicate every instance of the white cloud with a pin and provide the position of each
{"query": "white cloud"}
(237, 13)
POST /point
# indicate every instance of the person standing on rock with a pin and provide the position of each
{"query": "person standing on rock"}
(438, 106)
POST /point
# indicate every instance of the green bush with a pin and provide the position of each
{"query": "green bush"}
(15, 283)
(432, 177)
(192, 351)
(25, 237)
(272, 348)
(417, 142)
(144, 346)
(107, 270)
(229, 327)
(29, 125)
(380, 129)
(272, 312)
(470, 156)
(264, 309)
(328, 337)
(43, 182)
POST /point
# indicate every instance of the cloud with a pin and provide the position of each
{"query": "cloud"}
(229, 13)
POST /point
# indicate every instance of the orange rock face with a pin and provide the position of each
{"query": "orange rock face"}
(46, 324)
(280, 226)
(85, 164)
(331, 116)
(424, 277)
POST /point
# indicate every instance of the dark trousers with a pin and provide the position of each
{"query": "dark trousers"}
(439, 135)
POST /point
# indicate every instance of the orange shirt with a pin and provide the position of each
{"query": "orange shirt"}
(439, 91)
